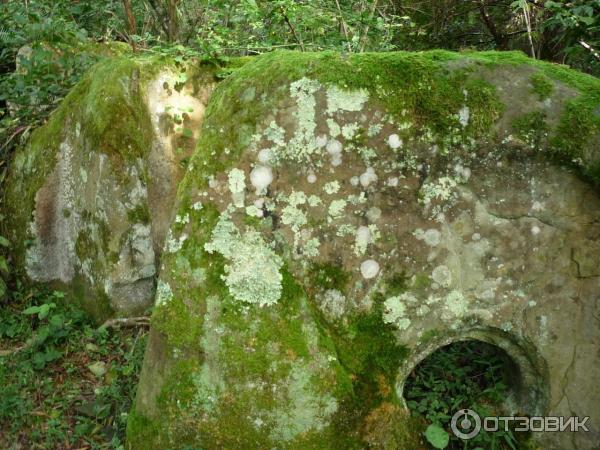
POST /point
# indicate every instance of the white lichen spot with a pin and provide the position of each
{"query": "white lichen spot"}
(440, 190)
(182, 220)
(354, 181)
(336, 209)
(313, 201)
(311, 178)
(423, 310)
(464, 115)
(321, 141)
(432, 237)
(197, 206)
(392, 181)
(311, 248)
(345, 229)
(261, 177)
(368, 177)
(303, 408)
(374, 129)
(334, 147)
(374, 214)
(394, 141)
(362, 240)
(332, 187)
(537, 206)
(173, 245)
(357, 199)
(334, 128)
(265, 156)
(350, 130)
(369, 268)
(83, 175)
(164, 294)
(302, 145)
(456, 303)
(297, 198)
(333, 304)
(462, 173)
(294, 217)
(253, 211)
(395, 312)
(237, 186)
(535, 230)
(442, 276)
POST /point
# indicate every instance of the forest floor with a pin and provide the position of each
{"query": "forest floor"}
(64, 383)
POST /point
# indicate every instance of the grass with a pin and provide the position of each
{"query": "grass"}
(71, 385)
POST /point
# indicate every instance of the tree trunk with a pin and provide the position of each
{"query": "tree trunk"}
(173, 25)
(132, 29)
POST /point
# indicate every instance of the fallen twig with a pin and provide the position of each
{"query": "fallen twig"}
(130, 322)
(12, 351)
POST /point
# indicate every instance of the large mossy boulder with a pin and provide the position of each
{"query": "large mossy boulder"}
(89, 199)
(345, 216)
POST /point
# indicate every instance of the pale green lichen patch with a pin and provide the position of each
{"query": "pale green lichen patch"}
(345, 100)
(253, 273)
(164, 294)
(395, 310)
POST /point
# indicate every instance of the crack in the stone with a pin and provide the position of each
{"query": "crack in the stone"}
(578, 275)
(519, 217)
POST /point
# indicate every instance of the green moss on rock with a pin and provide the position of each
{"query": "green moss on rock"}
(542, 85)
(279, 373)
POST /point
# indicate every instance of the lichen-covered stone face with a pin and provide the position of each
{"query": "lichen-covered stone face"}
(344, 216)
(91, 198)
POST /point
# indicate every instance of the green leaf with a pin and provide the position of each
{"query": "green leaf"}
(2, 288)
(44, 310)
(437, 436)
(187, 133)
(4, 242)
(3, 265)
(31, 310)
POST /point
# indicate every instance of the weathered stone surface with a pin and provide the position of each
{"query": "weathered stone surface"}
(90, 198)
(343, 217)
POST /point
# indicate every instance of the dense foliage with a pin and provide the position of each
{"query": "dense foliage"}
(46, 45)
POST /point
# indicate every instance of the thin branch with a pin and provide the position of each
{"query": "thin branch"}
(590, 48)
(344, 27)
(291, 27)
(363, 42)
(499, 38)
(12, 351)
(127, 322)
(159, 17)
(529, 30)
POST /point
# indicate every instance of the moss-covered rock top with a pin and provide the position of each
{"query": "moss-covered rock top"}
(340, 214)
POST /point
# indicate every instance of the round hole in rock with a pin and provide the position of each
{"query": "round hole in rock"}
(468, 374)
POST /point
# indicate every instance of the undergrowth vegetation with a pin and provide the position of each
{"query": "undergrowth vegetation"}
(463, 375)
(65, 384)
